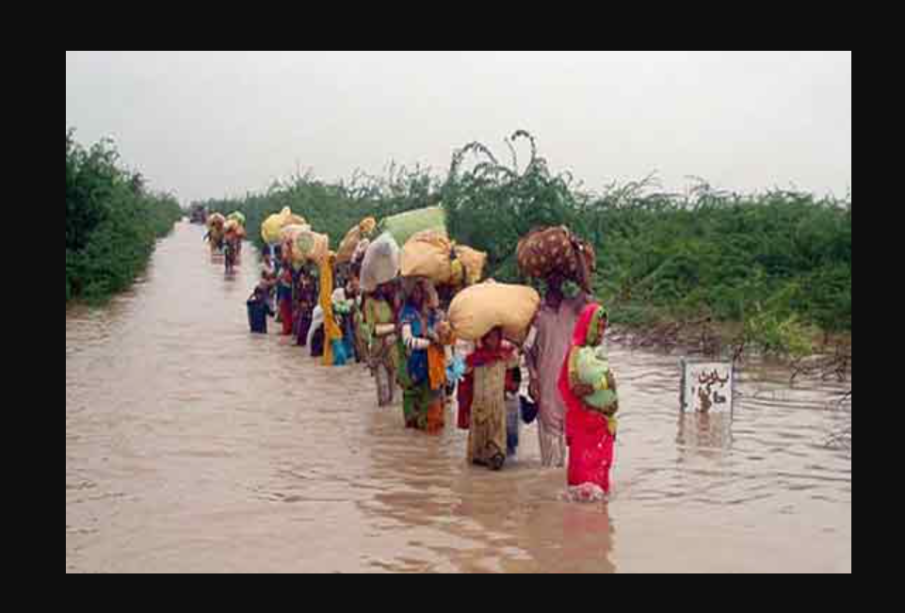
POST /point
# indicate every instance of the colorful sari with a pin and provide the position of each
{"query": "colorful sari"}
(588, 434)
(422, 406)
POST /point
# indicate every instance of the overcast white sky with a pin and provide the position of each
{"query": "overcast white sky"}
(209, 124)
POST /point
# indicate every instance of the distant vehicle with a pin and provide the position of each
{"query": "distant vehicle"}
(198, 214)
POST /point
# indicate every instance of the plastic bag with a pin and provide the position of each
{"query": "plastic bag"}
(381, 263)
(455, 371)
(593, 366)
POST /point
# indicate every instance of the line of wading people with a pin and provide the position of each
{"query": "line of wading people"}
(401, 331)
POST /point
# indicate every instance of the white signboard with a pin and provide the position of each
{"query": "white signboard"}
(707, 387)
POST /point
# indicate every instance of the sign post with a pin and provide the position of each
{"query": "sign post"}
(707, 386)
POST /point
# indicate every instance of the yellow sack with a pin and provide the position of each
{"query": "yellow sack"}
(468, 266)
(353, 237)
(427, 254)
(287, 239)
(309, 246)
(293, 230)
(348, 245)
(478, 309)
(270, 229)
(273, 225)
(295, 220)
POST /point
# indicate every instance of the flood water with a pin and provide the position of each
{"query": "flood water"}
(194, 446)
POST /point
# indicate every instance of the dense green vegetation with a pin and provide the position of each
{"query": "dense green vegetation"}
(779, 262)
(112, 221)
(334, 209)
(778, 255)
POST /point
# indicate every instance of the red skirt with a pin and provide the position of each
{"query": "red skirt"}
(286, 316)
(590, 449)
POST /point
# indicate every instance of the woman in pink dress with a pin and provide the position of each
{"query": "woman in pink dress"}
(590, 435)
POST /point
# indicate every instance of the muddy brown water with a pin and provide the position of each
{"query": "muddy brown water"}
(193, 446)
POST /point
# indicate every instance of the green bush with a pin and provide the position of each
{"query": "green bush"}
(334, 209)
(781, 259)
(112, 221)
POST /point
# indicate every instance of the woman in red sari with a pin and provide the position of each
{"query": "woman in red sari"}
(590, 434)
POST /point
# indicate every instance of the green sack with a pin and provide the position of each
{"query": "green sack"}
(405, 225)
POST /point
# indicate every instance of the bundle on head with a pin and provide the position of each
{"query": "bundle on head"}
(216, 221)
(430, 254)
(301, 245)
(349, 246)
(215, 226)
(272, 227)
(404, 226)
(233, 230)
(380, 264)
(478, 309)
(557, 250)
